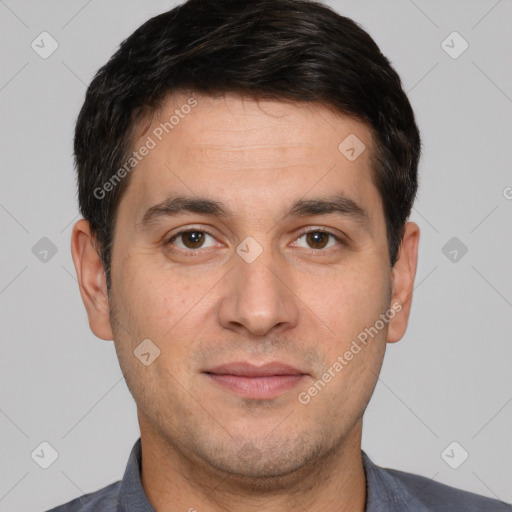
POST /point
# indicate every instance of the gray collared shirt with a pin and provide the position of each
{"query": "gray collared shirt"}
(387, 490)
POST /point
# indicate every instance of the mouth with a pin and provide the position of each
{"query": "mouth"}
(256, 382)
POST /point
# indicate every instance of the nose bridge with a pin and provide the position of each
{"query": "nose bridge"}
(257, 298)
(258, 273)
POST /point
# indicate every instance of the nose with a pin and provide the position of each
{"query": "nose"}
(258, 298)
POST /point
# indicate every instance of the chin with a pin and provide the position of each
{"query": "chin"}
(263, 465)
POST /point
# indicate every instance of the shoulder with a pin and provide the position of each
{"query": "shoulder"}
(399, 491)
(105, 499)
(444, 498)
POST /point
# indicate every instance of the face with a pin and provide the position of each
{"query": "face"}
(246, 236)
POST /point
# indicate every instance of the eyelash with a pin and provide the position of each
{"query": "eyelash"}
(197, 251)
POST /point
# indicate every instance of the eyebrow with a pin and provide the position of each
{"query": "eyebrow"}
(338, 204)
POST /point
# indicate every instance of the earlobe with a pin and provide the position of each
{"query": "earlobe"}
(403, 274)
(91, 279)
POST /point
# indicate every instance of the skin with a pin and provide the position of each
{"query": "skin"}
(205, 447)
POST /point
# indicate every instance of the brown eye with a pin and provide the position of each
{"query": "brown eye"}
(191, 239)
(317, 239)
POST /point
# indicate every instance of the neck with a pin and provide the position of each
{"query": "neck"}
(175, 481)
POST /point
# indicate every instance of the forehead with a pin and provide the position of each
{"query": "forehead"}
(245, 127)
(254, 152)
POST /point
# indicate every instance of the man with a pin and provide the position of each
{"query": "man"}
(246, 171)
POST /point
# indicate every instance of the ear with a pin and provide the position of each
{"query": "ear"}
(403, 274)
(91, 279)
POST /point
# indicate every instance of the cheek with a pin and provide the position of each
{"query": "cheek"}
(149, 307)
(148, 296)
(161, 305)
(349, 299)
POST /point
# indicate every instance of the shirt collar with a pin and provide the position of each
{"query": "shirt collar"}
(384, 491)
(132, 497)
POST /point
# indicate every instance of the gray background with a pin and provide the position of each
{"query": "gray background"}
(447, 380)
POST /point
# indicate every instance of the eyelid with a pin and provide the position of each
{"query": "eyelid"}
(320, 230)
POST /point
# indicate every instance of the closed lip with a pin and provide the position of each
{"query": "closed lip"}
(246, 369)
